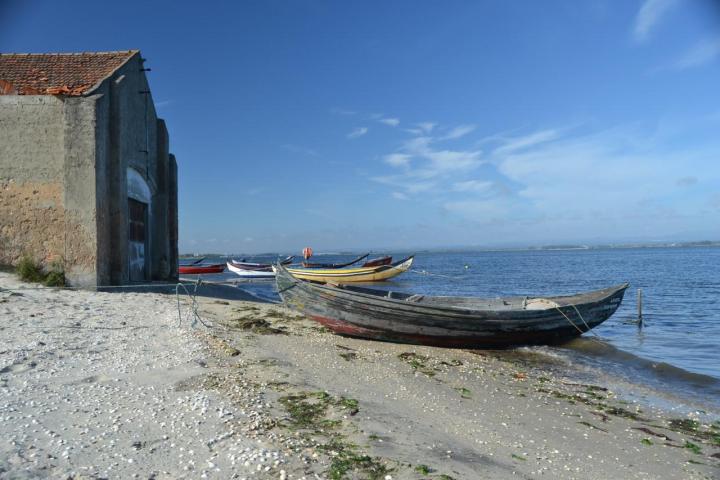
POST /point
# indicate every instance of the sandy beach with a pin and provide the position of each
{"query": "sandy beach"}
(115, 385)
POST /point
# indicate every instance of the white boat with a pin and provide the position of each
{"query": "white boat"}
(245, 273)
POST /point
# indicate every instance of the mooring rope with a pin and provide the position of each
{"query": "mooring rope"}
(194, 305)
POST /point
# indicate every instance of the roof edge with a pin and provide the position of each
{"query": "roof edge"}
(92, 89)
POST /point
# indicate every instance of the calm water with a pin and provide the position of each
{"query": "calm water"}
(679, 345)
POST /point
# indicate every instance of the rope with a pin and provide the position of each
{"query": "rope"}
(194, 306)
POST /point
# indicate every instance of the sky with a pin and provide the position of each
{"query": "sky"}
(352, 125)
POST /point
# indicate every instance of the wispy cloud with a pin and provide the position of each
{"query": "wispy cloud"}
(393, 122)
(700, 54)
(649, 15)
(422, 128)
(478, 186)
(531, 140)
(457, 132)
(399, 195)
(398, 159)
(164, 103)
(357, 132)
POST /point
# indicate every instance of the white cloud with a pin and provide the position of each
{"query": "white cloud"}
(397, 159)
(457, 132)
(700, 54)
(357, 132)
(649, 15)
(531, 140)
(477, 186)
(399, 195)
(393, 122)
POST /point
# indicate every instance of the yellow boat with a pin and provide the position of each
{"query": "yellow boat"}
(347, 275)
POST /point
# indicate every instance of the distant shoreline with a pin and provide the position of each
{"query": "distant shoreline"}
(699, 244)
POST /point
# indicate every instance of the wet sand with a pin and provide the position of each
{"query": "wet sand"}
(106, 385)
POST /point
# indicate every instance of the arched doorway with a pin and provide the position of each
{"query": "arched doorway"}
(139, 201)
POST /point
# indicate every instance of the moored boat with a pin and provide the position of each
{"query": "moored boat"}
(251, 272)
(243, 265)
(349, 275)
(376, 262)
(200, 269)
(448, 321)
(307, 264)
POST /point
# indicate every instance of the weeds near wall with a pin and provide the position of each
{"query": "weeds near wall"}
(31, 271)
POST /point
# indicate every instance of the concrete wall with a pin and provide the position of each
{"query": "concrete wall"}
(63, 179)
(32, 208)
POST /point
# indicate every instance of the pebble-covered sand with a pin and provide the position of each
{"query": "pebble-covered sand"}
(108, 385)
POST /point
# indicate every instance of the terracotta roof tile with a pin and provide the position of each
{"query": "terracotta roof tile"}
(56, 73)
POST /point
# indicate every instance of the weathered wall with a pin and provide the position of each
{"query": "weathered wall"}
(85, 130)
(32, 211)
(63, 179)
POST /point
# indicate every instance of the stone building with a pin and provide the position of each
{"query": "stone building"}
(86, 177)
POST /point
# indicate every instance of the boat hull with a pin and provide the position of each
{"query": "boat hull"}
(350, 313)
(197, 270)
(250, 273)
(353, 275)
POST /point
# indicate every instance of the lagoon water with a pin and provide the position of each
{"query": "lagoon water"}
(678, 348)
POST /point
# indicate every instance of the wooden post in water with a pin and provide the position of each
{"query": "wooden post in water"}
(639, 307)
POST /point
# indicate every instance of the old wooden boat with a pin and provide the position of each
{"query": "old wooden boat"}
(448, 321)
(307, 264)
(376, 262)
(200, 269)
(350, 275)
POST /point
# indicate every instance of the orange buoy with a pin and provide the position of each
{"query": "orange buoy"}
(307, 252)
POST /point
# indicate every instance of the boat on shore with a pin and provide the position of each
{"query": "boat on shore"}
(201, 269)
(250, 273)
(465, 322)
(350, 275)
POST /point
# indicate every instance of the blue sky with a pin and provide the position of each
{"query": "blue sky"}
(412, 124)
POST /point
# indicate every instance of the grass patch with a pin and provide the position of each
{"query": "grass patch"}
(31, 271)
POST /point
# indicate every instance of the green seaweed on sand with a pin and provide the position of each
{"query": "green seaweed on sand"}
(255, 325)
(423, 469)
(418, 362)
(518, 457)
(684, 425)
(464, 392)
(590, 425)
(646, 441)
(307, 410)
(693, 447)
(347, 460)
(348, 356)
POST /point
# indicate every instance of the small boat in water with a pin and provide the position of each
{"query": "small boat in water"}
(447, 321)
(201, 269)
(376, 262)
(348, 275)
(252, 272)
(267, 267)
(307, 264)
